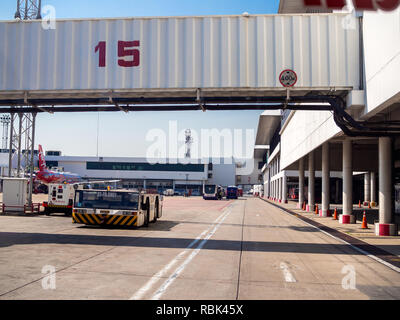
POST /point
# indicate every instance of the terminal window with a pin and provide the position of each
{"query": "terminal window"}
(51, 164)
(144, 166)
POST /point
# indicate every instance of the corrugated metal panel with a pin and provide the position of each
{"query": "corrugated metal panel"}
(181, 52)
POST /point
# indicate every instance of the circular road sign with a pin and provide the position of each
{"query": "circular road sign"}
(288, 78)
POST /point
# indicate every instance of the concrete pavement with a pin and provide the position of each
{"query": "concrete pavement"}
(387, 243)
(243, 249)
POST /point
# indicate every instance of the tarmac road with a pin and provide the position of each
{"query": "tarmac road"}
(242, 249)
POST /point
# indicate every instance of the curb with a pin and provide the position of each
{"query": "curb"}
(388, 259)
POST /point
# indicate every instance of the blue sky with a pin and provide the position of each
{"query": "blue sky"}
(123, 134)
(123, 8)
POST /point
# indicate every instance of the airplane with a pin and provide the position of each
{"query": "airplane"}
(46, 176)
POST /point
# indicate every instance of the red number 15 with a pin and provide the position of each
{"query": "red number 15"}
(130, 57)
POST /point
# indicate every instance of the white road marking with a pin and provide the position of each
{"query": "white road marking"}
(171, 279)
(149, 284)
(387, 264)
(286, 273)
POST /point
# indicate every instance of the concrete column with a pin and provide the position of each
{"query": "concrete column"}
(347, 215)
(273, 190)
(273, 167)
(325, 180)
(373, 189)
(367, 188)
(265, 195)
(301, 183)
(311, 182)
(337, 191)
(284, 188)
(385, 227)
(279, 189)
(269, 182)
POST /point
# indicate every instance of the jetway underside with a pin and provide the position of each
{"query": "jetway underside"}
(317, 99)
(182, 96)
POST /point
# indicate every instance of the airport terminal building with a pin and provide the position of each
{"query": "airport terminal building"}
(139, 173)
(327, 163)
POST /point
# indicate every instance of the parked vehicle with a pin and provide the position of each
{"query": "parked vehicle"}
(60, 199)
(212, 192)
(116, 207)
(232, 192)
(168, 192)
(258, 190)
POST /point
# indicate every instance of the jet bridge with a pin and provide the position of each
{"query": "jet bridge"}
(175, 63)
(246, 62)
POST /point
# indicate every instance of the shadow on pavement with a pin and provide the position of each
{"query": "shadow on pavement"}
(161, 225)
(261, 226)
(20, 238)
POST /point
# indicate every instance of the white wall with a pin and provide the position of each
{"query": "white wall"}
(179, 52)
(223, 174)
(382, 58)
(306, 131)
(249, 171)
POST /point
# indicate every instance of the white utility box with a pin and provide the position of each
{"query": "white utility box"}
(15, 193)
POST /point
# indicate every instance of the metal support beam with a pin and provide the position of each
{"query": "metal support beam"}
(44, 110)
(32, 155)
(19, 145)
(111, 101)
(199, 101)
(10, 150)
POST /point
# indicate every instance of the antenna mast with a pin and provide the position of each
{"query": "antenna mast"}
(28, 9)
(22, 126)
(188, 142)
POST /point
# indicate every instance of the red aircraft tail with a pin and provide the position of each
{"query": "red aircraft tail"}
(42, 161)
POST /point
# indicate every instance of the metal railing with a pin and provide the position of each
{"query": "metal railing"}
(32, 208)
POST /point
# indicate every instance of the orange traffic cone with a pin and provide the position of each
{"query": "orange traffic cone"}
(364, 222)
(359, 203)
(335, 215)
(304, 205)
(316, 209)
